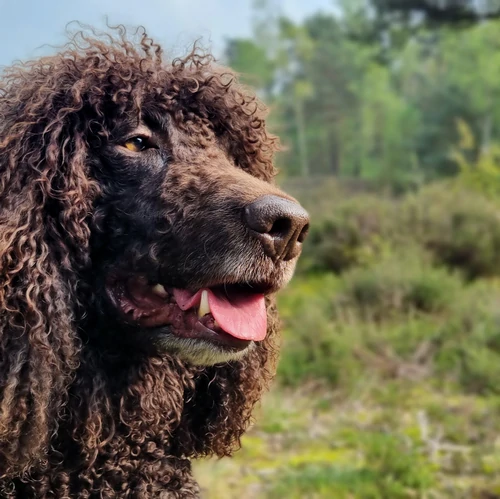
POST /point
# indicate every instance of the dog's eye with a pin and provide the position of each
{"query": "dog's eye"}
(137, 144)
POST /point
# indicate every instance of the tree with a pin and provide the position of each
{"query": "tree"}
(437, 12)
(376, 92)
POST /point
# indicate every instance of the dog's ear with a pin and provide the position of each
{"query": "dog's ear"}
(45, 198)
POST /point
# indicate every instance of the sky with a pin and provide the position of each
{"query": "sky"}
(30, 28)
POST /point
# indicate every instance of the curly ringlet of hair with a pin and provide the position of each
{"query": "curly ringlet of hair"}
(67, 427)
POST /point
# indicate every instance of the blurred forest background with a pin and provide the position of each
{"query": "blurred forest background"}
(389, 380)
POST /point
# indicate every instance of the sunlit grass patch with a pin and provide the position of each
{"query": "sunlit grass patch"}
(396, 439)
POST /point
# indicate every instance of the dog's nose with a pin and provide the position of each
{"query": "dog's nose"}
(280, 224)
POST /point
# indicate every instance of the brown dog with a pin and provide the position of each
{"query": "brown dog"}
(141, 240)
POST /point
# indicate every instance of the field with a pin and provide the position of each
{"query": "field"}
(388, 384)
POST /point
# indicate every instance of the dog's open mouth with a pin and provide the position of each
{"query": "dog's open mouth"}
(232, 315)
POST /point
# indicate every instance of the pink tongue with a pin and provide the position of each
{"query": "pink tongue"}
(242, 315)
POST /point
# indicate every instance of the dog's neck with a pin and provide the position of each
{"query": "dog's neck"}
(159, 411)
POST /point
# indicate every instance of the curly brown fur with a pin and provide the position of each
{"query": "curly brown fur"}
(85, 410)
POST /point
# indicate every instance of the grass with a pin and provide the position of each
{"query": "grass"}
(393, 440)
(389, 379)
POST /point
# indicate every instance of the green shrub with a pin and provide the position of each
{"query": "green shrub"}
(314, 347)
(342, 345)
(400, 463)
(399, 283)
(460, 228)
(386, 325)
(396, 296)
(352, 232)
(469, 340)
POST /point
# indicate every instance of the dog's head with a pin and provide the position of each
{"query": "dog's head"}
(188, 235)
(137, 217)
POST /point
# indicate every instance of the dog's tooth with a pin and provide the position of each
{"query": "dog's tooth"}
(204, 306)
(216, 324)
(127, 308)
(159, 290)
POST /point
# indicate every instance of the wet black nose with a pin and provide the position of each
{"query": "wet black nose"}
(280, 224)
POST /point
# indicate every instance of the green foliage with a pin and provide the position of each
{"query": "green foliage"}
(354, 95)
(459, 227)
(362, 325)
(250, 59)
(313, 347)
(483, 174)
(469, 340)
(401, 304)
(351, 232)
(398, 283)
(395, 472)
(399, 463)
(324, 481)
(461, 12)
(391, 466)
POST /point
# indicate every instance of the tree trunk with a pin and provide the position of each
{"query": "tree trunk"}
(301, 135)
